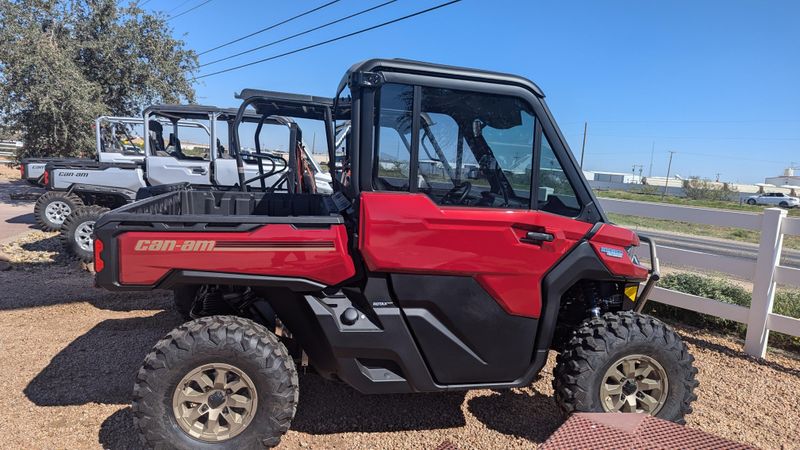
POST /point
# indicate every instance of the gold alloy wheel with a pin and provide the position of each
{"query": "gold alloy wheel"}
(635, 384)
(214, 402)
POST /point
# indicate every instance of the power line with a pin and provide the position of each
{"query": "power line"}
(180, 5)
(338, 38)
(189, 10)
(299, 34)
(270, 27)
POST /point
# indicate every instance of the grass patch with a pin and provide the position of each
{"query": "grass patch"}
(787, 303)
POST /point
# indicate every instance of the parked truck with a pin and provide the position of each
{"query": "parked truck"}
(400, 281)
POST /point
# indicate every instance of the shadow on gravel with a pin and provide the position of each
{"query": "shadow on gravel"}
(518, 413)
(100, 366)
(50, 244)
(30, 285)
(738, 354)
(328, 407)
(117, 432)
(24, 218)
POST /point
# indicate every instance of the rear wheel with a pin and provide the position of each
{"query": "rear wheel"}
(219, 382)
(77, 232)
(53, 207)
(751, 201)
(626, 362)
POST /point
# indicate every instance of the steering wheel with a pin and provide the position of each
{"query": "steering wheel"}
(457, 194)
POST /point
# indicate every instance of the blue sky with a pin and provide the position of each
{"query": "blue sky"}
(716, 81)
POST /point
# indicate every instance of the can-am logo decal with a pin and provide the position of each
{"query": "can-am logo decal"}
(73, 174)
(191, 245)
(169, 245)
(612, 252)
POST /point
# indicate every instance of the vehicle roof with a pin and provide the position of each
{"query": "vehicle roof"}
(198, 112)
(440, 70)
(286, 104)
(184, 111)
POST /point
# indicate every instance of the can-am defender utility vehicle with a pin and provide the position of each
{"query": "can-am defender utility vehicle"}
(113, 144)
(76, 183)
(461, 245)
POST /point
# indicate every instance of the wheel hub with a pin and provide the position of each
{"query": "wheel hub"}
(634, 383)
(83, 235)
(57, 211)
(214, 402)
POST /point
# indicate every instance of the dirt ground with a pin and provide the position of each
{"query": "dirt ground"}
(69, 353)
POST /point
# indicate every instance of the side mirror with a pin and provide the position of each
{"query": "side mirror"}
(477, 127)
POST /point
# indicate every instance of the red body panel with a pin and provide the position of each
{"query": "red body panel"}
(610, 241)
(277, 250)
(403, 232)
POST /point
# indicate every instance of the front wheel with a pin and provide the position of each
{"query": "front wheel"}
(626, 362)
(751, 201)
(218, 382)
(784, 204)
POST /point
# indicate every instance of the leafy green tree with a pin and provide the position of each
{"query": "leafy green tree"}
(65, 62)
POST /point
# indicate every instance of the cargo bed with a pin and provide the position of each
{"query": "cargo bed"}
(223, 237)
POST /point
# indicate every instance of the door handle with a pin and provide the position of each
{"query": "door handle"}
(199, 170)
(536, 237)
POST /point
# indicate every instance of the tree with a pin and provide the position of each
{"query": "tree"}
(65, 62)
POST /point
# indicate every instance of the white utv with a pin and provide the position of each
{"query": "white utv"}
(114, 144)
(79, 192)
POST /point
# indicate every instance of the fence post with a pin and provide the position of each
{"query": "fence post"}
(769, 255)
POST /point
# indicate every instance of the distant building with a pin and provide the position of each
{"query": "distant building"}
(788, 178)
(612, 177)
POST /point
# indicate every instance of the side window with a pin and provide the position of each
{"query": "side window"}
(556, 194)
(393, 137)
(475, 149)
(121, 137)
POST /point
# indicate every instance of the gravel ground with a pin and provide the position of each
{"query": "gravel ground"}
(70, 352)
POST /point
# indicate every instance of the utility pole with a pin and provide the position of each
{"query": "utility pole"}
(652, 151)
(669, 167)
(314, 144)
(583, 146)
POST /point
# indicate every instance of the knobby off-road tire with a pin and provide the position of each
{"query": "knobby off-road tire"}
(77, 232)
(259, 369)
(53, 207)
(630, 353)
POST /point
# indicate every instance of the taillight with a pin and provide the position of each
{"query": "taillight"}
(46, 178)
(98, 261)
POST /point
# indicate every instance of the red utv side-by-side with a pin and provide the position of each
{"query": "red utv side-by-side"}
(460, 246)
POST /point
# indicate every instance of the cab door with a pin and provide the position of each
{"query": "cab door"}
(451, 218)
(177, 162)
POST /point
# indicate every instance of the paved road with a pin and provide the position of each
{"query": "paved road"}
(714, 246)
(16, 216)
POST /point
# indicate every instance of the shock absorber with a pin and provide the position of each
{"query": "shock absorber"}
(590, 293)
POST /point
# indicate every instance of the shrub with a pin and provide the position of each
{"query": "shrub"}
(697, 189)
(786, 303)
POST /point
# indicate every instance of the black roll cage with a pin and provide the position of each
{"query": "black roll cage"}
(270, 103)
(365, 78)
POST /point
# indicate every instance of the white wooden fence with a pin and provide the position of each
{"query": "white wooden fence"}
(766, 272)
